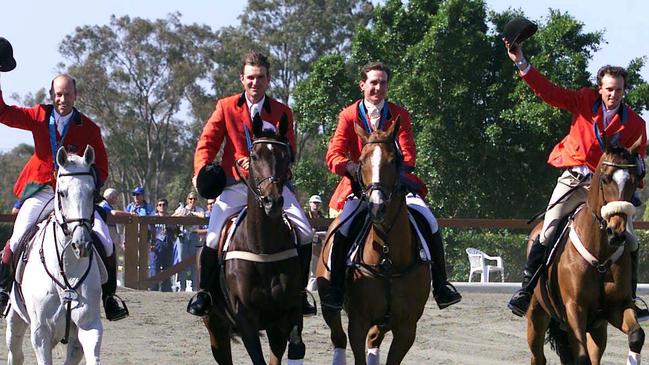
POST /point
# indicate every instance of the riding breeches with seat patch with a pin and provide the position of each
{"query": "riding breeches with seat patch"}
(39, 206)
(235, 197)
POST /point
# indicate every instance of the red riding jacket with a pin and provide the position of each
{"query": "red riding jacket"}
(346, 146)
(227, 122)
(39, 170)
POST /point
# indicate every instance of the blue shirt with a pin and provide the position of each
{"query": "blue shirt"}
(141, 210)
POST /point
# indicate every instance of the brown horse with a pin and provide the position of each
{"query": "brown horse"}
(261, 272)
(588, 282)
(388, 286)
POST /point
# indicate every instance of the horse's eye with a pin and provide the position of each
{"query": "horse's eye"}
(607, 178)
(63, 193)
(253, 156)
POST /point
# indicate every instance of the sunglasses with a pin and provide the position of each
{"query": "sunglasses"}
(191, 198)
(162, 204)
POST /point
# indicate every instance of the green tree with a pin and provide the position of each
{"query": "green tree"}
(12, 163)
(134, 75)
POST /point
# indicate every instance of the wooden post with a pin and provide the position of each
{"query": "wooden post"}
(143, 254)
(131, 253)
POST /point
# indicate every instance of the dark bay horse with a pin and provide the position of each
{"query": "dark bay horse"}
(261, 275)
(387, 288)
(588, 283)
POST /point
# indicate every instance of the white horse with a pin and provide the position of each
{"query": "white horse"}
(61, 284)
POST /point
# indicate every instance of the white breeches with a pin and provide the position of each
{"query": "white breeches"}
(235, 197)
(41, 205)
(412, 201)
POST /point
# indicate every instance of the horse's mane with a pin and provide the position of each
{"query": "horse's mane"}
(268, 134)
(378, 136)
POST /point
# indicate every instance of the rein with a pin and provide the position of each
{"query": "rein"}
(86, 222)
(367, 189)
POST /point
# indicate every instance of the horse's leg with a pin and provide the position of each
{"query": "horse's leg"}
(74, 352)
(296, 347)
(403, 336)
(374, 339)
(577, 333)
(277, 338)
(219, 332)
(358, 328)
(41, 337)
(90, 334)
(15, 335)
(626, 322)
(250, 337)
(597, 343)
(537, 324)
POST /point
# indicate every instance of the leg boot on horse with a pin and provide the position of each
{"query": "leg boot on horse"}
(641, 313)
(202, 302)
(520, 301)
(304, 252)
(6, 279)
(333, 300)
(444, 292)
(114, 311)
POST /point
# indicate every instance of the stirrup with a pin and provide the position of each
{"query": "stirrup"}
(122, 313)
(642, 311)
(515, 304)
(311, 310)
(192, 301)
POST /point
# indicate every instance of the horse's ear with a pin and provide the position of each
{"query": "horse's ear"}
(607, 144)
(61, 156)
(361, 133)
(89, 155)
(635, 149)
(283, 126)
(257, 125)
(393, 131)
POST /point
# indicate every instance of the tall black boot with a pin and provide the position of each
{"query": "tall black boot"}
(444, 292)
(520, 301)
(304, 253)
(333, 300)
(642, 314)
(114, 311)
(6, 281)
(209, 267)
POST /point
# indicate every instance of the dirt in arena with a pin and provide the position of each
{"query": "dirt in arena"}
(479, 330)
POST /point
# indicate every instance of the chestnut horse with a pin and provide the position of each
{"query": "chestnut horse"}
(588, 282)
(388, 285)
(261, 272)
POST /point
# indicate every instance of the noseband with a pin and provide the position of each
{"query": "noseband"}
(598, 215)
(255, 185)
(85, 222)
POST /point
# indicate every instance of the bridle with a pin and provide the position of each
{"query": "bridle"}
(254, 185)
(66, 221)
(602, 221)
(367, 189)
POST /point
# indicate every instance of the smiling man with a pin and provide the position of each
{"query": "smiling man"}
(596, 113)
(373, 112)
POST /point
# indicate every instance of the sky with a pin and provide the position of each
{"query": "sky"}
(36, 27)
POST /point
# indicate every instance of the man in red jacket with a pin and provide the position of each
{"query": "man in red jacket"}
(374, 112)
(227, 124)
(594, 112)
(53, 126)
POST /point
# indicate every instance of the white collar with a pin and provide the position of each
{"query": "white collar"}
(256, 106)
(370, 107)
(61, 121)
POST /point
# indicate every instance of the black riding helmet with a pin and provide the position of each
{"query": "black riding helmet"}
(210, 181)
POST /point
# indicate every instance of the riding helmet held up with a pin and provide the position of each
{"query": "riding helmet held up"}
(517, 30)
(7, 61)
(210, 181)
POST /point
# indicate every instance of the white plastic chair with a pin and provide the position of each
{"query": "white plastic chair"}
(479, 265)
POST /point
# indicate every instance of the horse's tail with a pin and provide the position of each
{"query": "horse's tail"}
(558, 340)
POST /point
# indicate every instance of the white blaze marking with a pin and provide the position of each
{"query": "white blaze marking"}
(620, 177)
(270, 147)
(376, 164)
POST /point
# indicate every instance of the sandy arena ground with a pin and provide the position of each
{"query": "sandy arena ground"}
(479, 330)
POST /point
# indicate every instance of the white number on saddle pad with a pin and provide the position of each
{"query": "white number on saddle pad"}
(69, 295)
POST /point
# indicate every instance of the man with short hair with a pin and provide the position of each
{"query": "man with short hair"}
(52, 126)
(139, 206)
(315, 202)
(595, 113)
(374, 112)
(226, 125)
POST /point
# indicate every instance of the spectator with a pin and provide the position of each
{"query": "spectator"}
(16, 207)
(315, 202)
(188, 238)
(139, 206)
(161, 248)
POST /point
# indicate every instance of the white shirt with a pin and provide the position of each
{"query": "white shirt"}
(374, 112)
(256, 109)
(61, 121)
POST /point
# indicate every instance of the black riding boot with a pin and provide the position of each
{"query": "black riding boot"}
(304, 253)
(642, 314)
(333, 300)
(114, 312)
(6, 281)
(520, 301)
(209, 269)
(444, 292)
